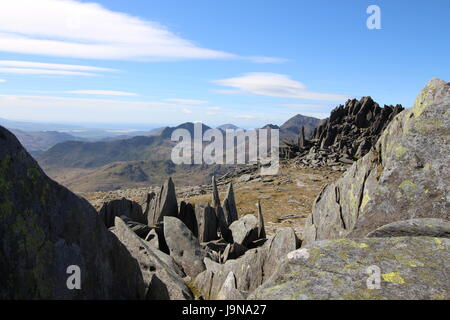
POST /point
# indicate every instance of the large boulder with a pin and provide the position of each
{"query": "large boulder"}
(405, 176)
(184, 246)
(245, 230)
(168, 283)
(122, 207)
(407, 268)
(45, 229)
(207, 222)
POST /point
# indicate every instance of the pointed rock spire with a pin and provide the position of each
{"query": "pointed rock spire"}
(301, 139)
(261, 228)
(215, 193)
(166, 204)
(229, 206)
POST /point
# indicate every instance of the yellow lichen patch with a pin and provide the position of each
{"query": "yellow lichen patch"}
(436, 296)
(393, 277)
(438, 241)
(409, 188)
(364, 201)
(400, 151)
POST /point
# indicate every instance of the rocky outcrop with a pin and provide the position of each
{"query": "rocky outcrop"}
(245, 230)
(168, 283)
(405, 176)
(45, 229)
(207, 222)
(348, 134)
(430, 227)
(116, 208)
(229, 206)
(165, 204)
(410, 268)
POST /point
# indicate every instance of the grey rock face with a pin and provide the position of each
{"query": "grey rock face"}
(165, 204)
(45, 228)
(414, 227)
(284, 241)
(402, 178)
(123, 207)
(411, 268)
(229, 290)
(261, 227)
(229, 206)
(248, 271)
(169, 282)
(184, 247)
(207, 223)
(245, 230)
(187, 215)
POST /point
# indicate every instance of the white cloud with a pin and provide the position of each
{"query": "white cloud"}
(51, 66)
(274, 85)
(187, 101)
(2, 80)
(104, 93)
(70, 28)
(39, 68)
(244, 116)
(45, 72)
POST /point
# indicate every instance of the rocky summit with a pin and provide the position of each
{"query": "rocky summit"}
(348, 134)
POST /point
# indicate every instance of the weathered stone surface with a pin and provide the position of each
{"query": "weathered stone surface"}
(165, 204)
(45, 228)
(215, 193)
(284, 241)
(187, 215)
(229, 290)
(149, 202)
(261, 227)
(414, 227)
(207, 222)
(405, 176)
(225, 232)
(248, 271)
(169, 282)
(229, 206)
(410, 268)
(184, 247)
(140, 229)
(152, 238)
(245, 230)
(123, 207)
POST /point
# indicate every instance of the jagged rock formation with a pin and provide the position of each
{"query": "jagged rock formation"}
(411, 268)
(397, 196)
(116, 208)
(405, 176)
(168, 283)
(164, 205)
(347, 135)
(45, 228)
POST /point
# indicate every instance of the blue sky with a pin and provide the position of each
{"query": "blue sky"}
(246, 62)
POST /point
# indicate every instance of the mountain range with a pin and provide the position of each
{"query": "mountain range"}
(138, 161)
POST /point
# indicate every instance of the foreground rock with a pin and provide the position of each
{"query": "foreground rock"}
(404, 177)
(45, 228)
(410, 268)
(184, 247)
(415, 227)
(162, 277)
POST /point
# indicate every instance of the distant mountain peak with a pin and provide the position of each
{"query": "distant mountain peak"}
(228, 126)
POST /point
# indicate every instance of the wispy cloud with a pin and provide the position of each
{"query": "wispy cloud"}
(187, 101)
(186, 111)
(267, 60)
(274, 85)
(244, 116)
(69, 28)
(39, 68)
(104, 93)
(2, 80)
